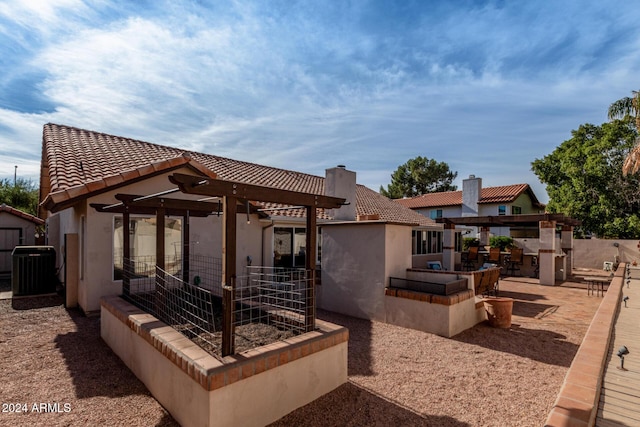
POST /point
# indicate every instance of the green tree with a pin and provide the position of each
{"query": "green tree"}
(420, 176)
(585, 181)
(22, 195)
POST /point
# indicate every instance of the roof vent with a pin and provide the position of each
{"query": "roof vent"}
(472, 176)
(341, 166)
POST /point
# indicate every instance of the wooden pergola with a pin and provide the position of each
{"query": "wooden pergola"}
(547, 224)
(235, 198)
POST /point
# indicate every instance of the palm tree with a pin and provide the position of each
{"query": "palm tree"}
(627, 108)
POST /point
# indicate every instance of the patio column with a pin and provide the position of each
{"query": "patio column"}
(485, 236)
(566, 244)
(449, 247)
(547, 258)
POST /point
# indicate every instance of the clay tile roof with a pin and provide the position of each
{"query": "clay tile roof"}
(77, 163)
(447, 198)
(500, 194)
(21, 214)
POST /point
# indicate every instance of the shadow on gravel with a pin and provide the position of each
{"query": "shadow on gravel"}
(352, 405)
(35, 302)
(535, 344)
(359, 341)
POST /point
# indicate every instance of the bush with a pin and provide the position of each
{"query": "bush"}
(502, 242)
(468, 242)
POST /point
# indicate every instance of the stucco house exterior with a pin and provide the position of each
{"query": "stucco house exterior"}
(474, 200)
(360, 244)
(16, 228)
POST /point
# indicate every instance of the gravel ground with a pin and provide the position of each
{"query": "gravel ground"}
(49, 355)
(481, 377)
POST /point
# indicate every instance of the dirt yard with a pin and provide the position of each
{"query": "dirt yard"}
(481, 377)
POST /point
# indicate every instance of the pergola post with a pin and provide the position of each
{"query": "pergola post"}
(310, 261)
(185, 247)
(228, 272)
(449, 247)
(126, 253)
(547, 258)
(160, 256)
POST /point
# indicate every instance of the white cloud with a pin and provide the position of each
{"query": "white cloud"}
(486, 90)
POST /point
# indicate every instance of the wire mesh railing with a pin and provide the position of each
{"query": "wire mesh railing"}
(269, 304)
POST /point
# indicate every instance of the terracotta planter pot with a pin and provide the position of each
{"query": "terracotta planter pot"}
(499, 311)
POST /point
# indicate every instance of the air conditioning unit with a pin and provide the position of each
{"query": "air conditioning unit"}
(33, 270)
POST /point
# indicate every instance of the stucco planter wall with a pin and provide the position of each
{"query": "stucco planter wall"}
(253, 388)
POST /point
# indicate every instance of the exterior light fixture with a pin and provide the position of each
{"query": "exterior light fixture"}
(622, 351)
(625, 299)
(628, 282)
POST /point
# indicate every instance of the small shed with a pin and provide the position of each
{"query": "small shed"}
(17, 228)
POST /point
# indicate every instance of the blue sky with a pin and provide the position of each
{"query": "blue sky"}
(485, 86)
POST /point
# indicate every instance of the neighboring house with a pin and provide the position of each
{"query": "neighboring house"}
(360, 245)
(473, 200)
(17, 228)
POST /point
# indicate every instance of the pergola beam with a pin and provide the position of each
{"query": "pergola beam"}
(510, 220)
(215, 187)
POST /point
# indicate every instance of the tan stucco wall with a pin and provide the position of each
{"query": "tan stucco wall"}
(357, 260)
(592, 253)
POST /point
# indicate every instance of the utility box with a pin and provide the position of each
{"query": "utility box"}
(34, 270)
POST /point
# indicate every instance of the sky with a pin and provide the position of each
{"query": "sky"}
(484, 86)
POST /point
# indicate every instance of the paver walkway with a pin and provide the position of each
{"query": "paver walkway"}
(620, 392)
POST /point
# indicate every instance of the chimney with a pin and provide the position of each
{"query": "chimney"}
(340, 182)
(471, 192)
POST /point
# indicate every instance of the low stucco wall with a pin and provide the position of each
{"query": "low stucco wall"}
(253, 388)
(446, 316)
(437, 314)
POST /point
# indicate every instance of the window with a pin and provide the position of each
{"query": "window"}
(426, 242)
(142, 237)
(516, 210)
(289, 246)
(435, 213)
(502, 210)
